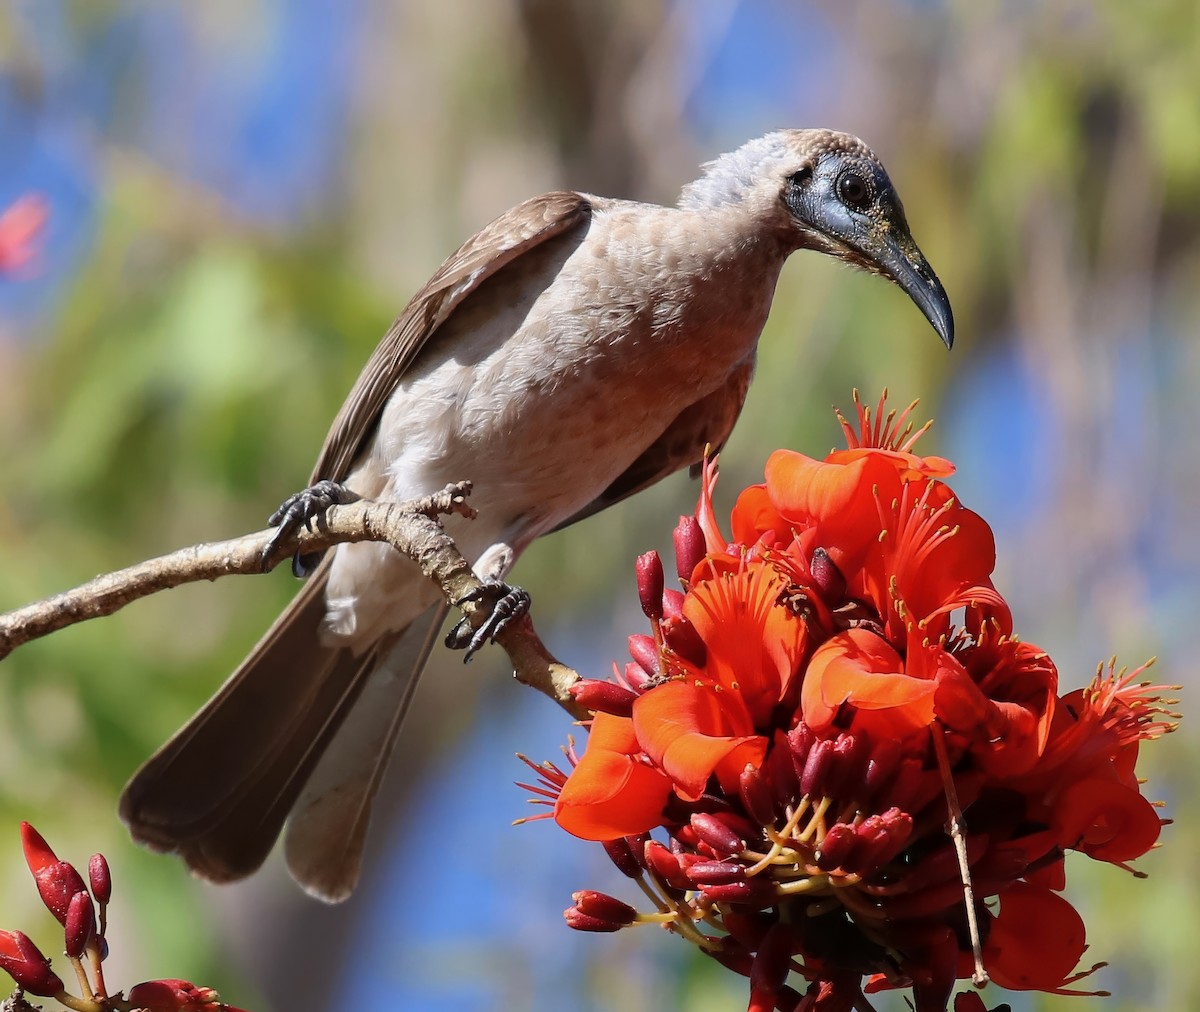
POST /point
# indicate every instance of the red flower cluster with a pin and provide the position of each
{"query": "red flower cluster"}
(832, 686)
(67, 897)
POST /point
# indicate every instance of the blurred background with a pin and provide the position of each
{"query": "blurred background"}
(239, 197)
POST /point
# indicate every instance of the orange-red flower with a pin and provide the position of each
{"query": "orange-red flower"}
(834, 682)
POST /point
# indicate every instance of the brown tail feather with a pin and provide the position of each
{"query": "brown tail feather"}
(218, 792)
(328, 824)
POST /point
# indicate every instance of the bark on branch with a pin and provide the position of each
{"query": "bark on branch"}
(412, 528)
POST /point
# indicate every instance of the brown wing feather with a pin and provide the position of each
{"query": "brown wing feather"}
(481, 256)
(706, 424)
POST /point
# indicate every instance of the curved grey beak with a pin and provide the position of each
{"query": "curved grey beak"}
(901, 260)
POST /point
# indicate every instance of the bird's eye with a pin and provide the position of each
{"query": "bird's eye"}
(854, 191)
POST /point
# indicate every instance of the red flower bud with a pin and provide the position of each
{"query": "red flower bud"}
(816, 769)
(24, 962)
(880, 838)
(672, 603)
(837, 848)
(100, 878)
(736, 959)
(690, 548)
(80, 924)
(756, 892)
(609, 908)
(621, 853)
(580, 921)
(772, 964)
(846, 770)
(169, 995)
(882, 767)
(650, 584)
(638, 678)
(756, 795)
(603, 697)
(723, 840)
(57, 881)
(665, 865)
(644, 652)
(681, 636)
(38, 854)
(781, 773)
(716, 872)
(828, 580)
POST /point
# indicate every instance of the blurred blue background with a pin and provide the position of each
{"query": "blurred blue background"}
(241, 196)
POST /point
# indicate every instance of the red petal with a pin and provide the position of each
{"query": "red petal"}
(693, 730)
(861, 669)
(1106, 820)
(1036, 940)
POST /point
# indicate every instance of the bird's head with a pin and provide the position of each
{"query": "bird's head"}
(827, 191)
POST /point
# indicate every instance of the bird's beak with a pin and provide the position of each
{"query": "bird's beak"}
(895, 254)
(880, 242)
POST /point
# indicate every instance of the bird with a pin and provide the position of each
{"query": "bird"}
(573, 352)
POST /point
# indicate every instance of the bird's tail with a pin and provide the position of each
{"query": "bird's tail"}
(219, 791)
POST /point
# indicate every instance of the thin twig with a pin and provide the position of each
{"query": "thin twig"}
(412, 528)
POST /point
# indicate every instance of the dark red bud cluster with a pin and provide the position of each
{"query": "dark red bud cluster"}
(861, 848)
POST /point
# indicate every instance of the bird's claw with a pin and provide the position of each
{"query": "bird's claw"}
(509, 605)
(305, 510)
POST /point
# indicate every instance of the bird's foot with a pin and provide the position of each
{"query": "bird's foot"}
(508, 605)
(305, 509)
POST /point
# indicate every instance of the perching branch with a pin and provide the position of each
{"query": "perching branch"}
(412, 528)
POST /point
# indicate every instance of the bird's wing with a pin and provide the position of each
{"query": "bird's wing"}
(513, 233)
(705, 425)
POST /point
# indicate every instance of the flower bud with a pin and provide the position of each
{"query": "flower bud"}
(650, 584)
(621, 854)
(57, 881)
(609, 908)
(665, 865)
(882, 767)
(600, 696)
(772, 964)
(846, 770)
(781, 773)
(644, 652)
(169, 995)
(24, 962)
(816, 769)
(828, 580)
(100, 878)
(690, 548)
(638, 678)
(756, 795)
(672, 603)
(756, 892)
(80, 924)
(800, 740)
(723, 840)
(681, 636)
(580, 921)
(880, 838)
(837, 848)
(716, 872)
